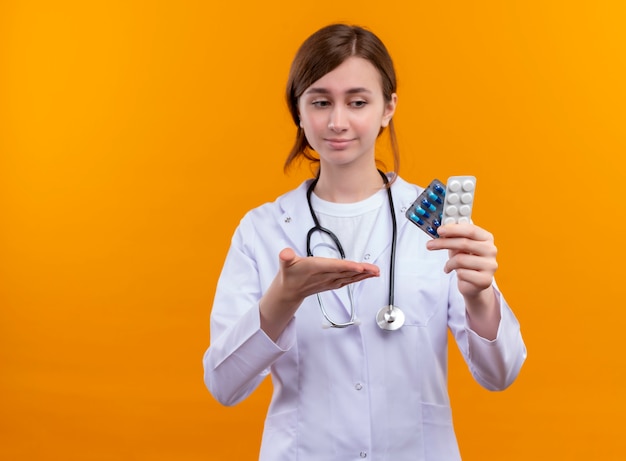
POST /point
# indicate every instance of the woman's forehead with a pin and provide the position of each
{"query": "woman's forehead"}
(354, 75)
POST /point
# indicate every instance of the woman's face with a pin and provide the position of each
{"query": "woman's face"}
(342, 113)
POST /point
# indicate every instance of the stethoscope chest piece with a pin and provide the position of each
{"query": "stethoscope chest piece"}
(390, 318)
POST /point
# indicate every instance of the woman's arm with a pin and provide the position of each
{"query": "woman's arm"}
(487, 332)
(249, 326)
(472, 254)
(300, 277)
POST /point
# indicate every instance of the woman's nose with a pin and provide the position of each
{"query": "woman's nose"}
(338, 120)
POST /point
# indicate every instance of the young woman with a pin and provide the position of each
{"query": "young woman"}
(305, 290)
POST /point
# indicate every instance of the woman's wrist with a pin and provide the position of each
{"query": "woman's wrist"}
(483, 312)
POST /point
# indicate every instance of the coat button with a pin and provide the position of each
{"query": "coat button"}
(358, 386)
(363, 454)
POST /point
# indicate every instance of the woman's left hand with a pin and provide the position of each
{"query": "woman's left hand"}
(472, 254)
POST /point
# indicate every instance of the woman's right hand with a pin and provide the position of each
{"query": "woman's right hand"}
(299, 277)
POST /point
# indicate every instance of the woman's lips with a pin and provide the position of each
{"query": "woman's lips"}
(338, 143)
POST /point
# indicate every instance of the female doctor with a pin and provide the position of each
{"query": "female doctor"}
(307, 285)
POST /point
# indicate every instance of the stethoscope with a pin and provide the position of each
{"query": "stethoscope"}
(389, 317)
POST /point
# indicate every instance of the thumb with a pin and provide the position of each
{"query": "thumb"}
(287, 256)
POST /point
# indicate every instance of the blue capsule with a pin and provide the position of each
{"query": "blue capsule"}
(434, 197)
(436, 223)
(422, 212)
(428, 205)
(439, 189)
(431, 231)
(417, 219)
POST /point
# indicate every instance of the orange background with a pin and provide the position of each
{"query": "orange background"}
(135, 134)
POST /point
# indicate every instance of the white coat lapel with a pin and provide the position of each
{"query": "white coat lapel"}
(295, 219)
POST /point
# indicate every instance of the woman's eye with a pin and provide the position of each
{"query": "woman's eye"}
(321, 103)
(358, 103)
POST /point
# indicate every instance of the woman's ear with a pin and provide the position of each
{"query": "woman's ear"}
(390, 109)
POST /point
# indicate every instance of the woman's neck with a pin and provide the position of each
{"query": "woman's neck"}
(348, 186)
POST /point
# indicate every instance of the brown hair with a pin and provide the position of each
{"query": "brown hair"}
(322, 52)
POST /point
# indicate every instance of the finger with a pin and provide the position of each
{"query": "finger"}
(464, 245)
(336, 266)
(344, 281)
(471, 262)
(467, 230)
(333, 281)
(364, 268)
(287, 256)
(477, 279)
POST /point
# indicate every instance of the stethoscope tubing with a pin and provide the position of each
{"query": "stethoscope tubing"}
(392, 263)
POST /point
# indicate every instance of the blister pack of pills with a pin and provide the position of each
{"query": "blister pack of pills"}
(440, 204)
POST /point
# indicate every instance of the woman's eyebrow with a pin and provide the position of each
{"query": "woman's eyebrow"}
(319, 90)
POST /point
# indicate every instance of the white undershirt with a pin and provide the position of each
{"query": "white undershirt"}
(352, 223)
